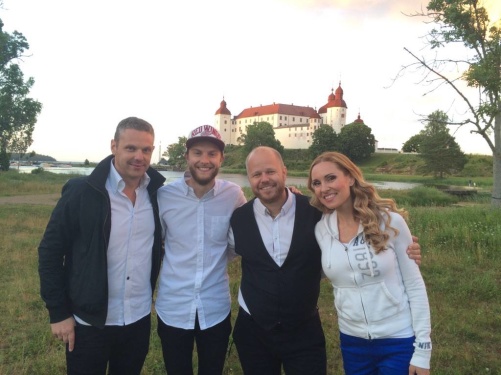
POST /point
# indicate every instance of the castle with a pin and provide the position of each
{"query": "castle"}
(293, 125)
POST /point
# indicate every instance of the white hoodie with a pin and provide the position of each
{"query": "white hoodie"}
(382, 298)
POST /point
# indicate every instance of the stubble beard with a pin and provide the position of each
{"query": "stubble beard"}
(269, 199)
(203, 181)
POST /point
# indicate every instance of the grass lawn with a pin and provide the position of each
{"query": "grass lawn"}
(461, 245)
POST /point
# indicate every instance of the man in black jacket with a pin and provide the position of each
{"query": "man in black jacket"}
(100, 257)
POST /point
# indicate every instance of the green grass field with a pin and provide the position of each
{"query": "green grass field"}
(460, 241)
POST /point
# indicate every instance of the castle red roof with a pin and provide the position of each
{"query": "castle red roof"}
(358, 120)
(334, 100)
(222, 109)
(281, 109)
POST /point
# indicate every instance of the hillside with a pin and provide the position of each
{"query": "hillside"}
(298, 162)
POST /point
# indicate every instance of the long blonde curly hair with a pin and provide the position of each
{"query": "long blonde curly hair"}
(370, 209)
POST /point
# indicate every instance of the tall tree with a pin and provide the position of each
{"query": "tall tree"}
(467, 22)
(413, 143)
(441, 153)
(323, 139)
(357, 141)
(260, 134)
(175, 154)
(18, 112)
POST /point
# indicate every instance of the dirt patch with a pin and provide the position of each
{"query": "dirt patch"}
(43, 199)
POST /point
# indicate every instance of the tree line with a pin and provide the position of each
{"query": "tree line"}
(435, 145)
(454, 23)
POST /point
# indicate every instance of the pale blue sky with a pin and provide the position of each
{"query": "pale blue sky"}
(171, 62)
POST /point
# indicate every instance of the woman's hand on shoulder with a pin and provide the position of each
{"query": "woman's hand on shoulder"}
(414, 251)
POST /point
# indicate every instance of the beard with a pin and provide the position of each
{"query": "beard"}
(202, 181)
(272, 196)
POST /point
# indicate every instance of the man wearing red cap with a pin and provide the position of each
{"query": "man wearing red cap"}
(193, 303)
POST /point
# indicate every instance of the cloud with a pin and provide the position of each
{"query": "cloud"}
(357, 8)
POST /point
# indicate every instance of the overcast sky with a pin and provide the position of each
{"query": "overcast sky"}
(96, 62)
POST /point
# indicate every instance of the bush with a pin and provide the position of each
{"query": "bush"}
(37, 170)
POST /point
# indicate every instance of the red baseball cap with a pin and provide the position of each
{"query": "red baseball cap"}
(205, 133)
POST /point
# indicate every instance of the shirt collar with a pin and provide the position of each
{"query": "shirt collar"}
(189, 190)
(289, 202)
(118, 184)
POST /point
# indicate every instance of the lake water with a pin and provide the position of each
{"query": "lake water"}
(238, 179)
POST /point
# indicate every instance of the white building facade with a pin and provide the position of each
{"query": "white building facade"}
(293, 125)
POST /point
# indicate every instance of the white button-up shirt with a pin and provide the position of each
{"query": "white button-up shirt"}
(129, 252)
(194, 277)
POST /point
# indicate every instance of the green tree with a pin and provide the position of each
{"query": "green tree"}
(175, 153)
(18, 113)
(413, 143)
(467, 23)
(440, 152)
(323, 139)
(357, 141)
(260, 134)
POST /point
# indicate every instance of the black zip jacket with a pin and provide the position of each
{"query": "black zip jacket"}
(72, 254)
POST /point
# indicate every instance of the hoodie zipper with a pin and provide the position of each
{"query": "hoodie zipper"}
(354, 278)
(335, 236)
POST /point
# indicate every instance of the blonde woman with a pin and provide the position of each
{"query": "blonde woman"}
(379, 293)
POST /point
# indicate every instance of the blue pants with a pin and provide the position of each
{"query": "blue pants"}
(376, 357)
(122, 348)
(178, 344)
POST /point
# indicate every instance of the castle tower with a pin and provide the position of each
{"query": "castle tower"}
(359, 120)
(334, 112)
(222, 122)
